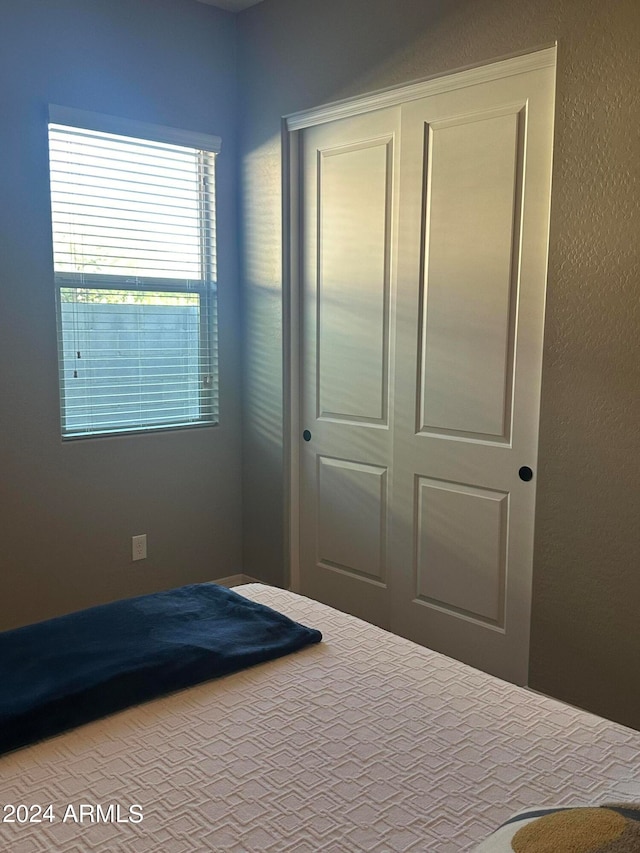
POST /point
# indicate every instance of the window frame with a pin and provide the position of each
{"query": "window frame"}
(206, 289)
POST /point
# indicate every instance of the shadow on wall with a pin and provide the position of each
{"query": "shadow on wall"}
(263, 301)
(263, 365)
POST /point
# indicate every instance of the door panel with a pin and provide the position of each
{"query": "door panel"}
(349, 213)
(352, 511)
(461, 545)
(473, 232)
(353, 281)
(474, 168)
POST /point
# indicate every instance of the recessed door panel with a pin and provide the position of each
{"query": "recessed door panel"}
(461, 549)
(353, 281)
(472, 189)
(352, 517)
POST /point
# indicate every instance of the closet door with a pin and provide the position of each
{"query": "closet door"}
(423, 242)
(473, 234)
(348, 238)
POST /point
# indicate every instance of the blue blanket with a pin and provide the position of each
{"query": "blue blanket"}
(66, 671)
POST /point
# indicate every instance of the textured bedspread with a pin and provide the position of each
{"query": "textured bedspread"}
(364, 742)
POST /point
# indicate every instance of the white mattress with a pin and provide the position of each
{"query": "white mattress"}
(365, 742)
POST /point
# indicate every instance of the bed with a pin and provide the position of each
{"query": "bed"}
(364, 742)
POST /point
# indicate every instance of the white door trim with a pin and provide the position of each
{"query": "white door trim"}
(446, 82)
(292, 125)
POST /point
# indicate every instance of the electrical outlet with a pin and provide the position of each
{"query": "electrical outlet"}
(139, 547)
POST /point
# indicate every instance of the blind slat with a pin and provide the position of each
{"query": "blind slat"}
(160, 404)
(75, 166)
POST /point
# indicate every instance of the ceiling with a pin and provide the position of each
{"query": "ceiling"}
(232, 5)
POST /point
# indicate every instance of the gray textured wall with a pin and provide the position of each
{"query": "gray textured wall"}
(68, 510)
(296, 54)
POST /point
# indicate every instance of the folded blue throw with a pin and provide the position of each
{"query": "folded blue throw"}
(67, 671)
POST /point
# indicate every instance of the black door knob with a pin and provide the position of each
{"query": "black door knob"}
(525, 473)
(306, 435)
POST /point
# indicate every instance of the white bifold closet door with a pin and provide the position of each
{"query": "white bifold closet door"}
(424, 252)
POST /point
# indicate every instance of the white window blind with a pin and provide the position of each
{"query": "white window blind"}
(135, 270)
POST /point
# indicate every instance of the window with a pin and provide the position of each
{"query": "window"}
(133, 211)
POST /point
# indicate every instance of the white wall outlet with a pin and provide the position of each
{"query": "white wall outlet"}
(139, 547)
